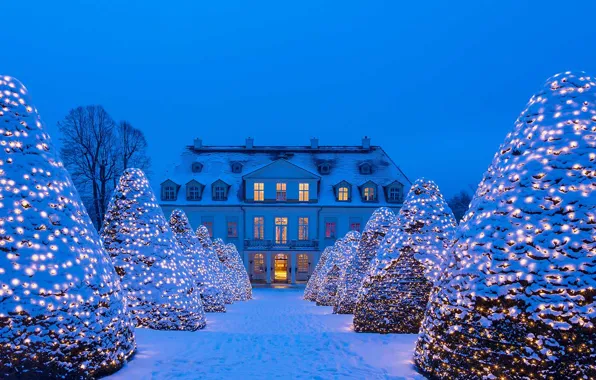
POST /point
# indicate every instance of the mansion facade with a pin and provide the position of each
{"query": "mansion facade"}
(282, 205)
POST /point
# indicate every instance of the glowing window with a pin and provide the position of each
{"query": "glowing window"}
(303, 192)
(342, 194)
(302, 228)
(280, 194)
(259, 228)
(302, 263)
(281, 230)
(259, 263)
(259, 191)
(369, 194)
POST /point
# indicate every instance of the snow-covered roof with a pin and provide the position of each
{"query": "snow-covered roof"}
(344, 165)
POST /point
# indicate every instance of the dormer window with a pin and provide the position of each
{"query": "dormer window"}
(324, 168)
(365, 168)
(194, 191)
(197, 167)
(369, 192)
(394, 192)
(236, 167)
(169, 190)
(219, 190)
(343, 194)
(343, 191)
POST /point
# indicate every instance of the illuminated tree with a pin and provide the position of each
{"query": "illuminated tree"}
(312, 286)
(244, 292)
(231, 281)
(62, 313)
(348, 246)
(196, 262)
(161, 292)
(519, 299)
(374, 232)
(328, 289)
(395, 293)
(214, 265)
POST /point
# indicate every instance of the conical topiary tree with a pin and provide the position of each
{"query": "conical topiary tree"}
(62, 314)
(196, 263)
(374, 232)
(234, 261)
(348, 247)
(221, 251)
(159, 288)
(395, 293)
(519, 299)
(329, 277)
(215, 267)
(312, 286)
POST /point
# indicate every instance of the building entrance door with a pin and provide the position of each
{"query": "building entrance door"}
(281, 268)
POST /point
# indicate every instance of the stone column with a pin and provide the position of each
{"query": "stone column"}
(293, 267)
(269, 264)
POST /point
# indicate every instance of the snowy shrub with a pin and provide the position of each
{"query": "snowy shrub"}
(328, 289)
(240, 274)
(395, 293)
(348, 246)
(160, 290)
(312, 286)
(214, 264)
(62, 313)
(197, 263)
(519, 300)
(374, 232)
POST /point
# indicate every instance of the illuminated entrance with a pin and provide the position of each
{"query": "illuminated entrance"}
(281, 268)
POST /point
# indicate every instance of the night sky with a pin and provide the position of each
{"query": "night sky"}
(438, 84)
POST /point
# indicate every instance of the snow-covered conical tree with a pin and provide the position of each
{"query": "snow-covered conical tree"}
(327, 295)
(62, 314)
(215, 267)
(312, 286)
(197, 263)
(161, 292)
(519, 299)
(221, 251)
(348, 248)
(374, 232)
(240, 274)
(395, 293)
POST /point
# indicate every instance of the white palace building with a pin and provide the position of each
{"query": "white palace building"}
(282, 205)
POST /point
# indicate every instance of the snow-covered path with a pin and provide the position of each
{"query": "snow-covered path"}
(276, 335)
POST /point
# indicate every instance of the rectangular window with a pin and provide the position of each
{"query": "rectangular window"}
(280, 194)
(259, 228)
(259, 263)
(355, 224)
(169, 193)
(303, 263)
(209, 226)
(194, 193)
(369, 193)
(281, 230)
(232, 229)
(303, 192)
(259, 191)
(394, 194)
(330, 229)
(219, 194)
(342, 194)
(303, 228)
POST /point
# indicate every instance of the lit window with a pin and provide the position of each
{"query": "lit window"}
(259, 228)
(302, 228)
(259, 191)
(281, 230)
(330, 230)
(219, 193)
(280, 192)
(369, 193)
(232, 229)
(259, 263)
(194, 193)
(169, 193)
(303, 192)
(209, 226)
(302, 263)
(342, 194)
(394, 194)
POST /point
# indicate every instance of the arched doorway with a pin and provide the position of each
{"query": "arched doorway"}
(280, 268)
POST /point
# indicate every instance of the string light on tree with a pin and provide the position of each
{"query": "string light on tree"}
(395, 293)
(314, 282)
(215, 267)
(161, 292)
(329, 278)
(196, 262)
(372, 236)
(519, 299)
(61, 308)
(240, 276)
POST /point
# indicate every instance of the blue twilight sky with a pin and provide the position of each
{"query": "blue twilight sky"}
(437, 83)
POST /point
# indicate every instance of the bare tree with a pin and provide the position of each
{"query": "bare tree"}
(460, 203)
(96, 151)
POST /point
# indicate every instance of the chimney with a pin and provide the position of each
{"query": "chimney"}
(198, 143)
(366, 142)
(314, 143)
(250, 143)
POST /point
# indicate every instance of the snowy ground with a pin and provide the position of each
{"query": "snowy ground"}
(276, 335)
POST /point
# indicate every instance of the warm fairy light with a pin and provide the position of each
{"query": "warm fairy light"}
(62, 313)
(197, 263)
(160, 290)
(409, 261)
(372, 236)
(314, 282)
(215, 267)
(519, 299)
(234, 272)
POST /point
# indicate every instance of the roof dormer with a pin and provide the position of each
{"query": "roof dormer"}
(169, 190)
(343, 191)
(365, 168)
(194, 190)
(324, 168)
(236, 167)
(197, 167)
(394, 192)
(219, 190)
(369, 192)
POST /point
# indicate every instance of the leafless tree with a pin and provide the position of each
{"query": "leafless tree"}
(96, 150)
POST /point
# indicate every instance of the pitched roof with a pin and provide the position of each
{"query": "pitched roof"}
(344, 161)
